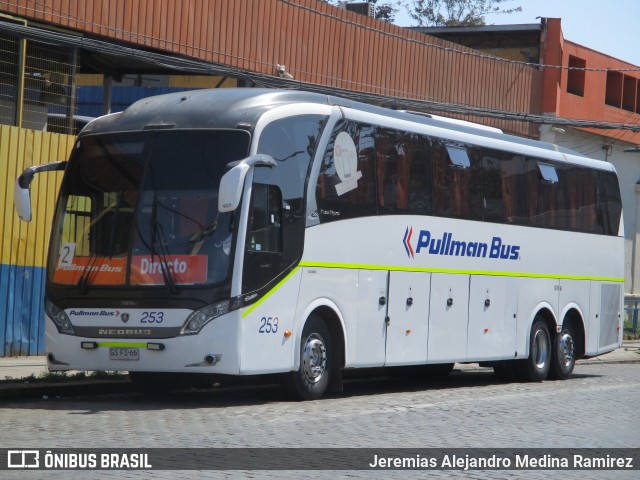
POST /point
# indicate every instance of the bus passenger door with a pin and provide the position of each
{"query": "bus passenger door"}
(448, 315)
(372, 311)
(492, 318)
(408, 316)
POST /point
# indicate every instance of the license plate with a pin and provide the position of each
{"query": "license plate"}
(121, 353)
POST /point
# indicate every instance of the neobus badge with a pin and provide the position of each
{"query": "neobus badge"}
(447, 245)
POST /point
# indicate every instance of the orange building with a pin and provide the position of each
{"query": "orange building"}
(595, 86)
(590, 86)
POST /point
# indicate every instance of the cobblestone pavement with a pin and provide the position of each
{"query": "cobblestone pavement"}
(598, 408)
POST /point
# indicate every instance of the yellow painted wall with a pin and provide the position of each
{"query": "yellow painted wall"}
(198, 81)
(25, 244)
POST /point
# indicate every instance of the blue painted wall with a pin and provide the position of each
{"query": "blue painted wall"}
(90, 98)
(22, 306)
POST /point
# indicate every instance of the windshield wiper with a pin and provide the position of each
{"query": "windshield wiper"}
(157, 234)
(112, 239)
(83, 282)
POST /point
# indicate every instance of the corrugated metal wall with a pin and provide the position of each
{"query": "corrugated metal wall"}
(24, 245)
(317, 42)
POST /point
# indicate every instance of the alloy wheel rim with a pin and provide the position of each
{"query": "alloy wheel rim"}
(314, 358)
(567, 348)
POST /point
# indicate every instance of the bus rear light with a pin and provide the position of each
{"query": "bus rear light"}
(88, 345)
(155, 346)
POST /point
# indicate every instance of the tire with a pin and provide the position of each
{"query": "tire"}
(536, 367)
(311, 380)
(563, 358)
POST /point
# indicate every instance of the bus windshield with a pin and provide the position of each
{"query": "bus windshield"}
(140, 209)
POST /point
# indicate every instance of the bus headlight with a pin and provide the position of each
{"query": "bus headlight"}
(60, 318)
(201, 317)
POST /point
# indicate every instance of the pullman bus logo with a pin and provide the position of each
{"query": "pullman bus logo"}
(446, 244)
(407, 242)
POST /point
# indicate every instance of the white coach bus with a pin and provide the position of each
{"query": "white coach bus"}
(247, 232)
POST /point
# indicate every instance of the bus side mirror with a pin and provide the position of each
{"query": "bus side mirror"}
(231, 186)
(21, 194)
(22, 201)
(232, 182)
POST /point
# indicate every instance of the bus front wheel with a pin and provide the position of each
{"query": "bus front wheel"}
(312, 378)
(536, 367)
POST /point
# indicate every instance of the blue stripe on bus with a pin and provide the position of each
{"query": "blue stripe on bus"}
(21, 310)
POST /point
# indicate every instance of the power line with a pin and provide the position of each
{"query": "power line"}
(461, 52)
(46, 9)
(431, 106)
(400, 102)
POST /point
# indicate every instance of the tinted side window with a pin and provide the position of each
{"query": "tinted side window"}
(276, 228)
(457, 189)
(547, 206)
(581, 195)
(346, 183)
(610, 204)
(291, 142)
(264, 257)
(504, 188)
(547, 194)
(265, 233)
(403, 169)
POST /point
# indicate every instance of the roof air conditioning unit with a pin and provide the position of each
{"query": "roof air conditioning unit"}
(363, 8)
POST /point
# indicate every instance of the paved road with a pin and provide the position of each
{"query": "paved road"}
(598, 408)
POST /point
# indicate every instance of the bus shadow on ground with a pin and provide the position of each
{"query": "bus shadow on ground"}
(262, 391)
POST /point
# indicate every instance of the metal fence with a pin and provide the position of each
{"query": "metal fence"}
(632, 312)
(37, 85)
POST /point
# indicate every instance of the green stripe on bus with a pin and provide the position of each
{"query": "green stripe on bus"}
(353, 266)
(269, 293)
(122, 344)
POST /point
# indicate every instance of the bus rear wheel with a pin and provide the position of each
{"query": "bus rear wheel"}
(312, 378)
(564, 354)
(536, 367)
